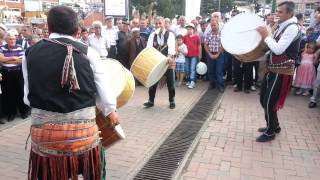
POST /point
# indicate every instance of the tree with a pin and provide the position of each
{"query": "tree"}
(209, 6)
(166, 8)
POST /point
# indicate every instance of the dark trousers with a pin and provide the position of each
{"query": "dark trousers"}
(269, 95)
(112, 52)
(228, 66)
(12, 92)
(170, 76)
(243, 72)
(215, 71)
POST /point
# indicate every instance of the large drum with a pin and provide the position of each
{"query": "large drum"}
(240, 38)
(121, 80)
(149, 66)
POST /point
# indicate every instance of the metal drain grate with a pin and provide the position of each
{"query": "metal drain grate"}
(165, 161)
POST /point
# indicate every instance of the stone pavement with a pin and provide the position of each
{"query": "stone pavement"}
(145, 130)
(227, 147)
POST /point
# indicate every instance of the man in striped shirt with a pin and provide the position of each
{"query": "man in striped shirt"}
(12, 83)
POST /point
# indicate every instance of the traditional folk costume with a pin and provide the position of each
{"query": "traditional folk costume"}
(284, 47)
(63, 80)
(164, 41)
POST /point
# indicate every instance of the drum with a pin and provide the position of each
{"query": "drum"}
(109, 135)
(117, 74)
(149, 66)
(128, 90)
(121, 80)
(240, 38)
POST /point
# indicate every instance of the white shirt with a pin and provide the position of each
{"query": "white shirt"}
(106, 100)
(180, 31)
(99, 44)
(110, 34)
(181, 57)
(286, 38)
(171, 42)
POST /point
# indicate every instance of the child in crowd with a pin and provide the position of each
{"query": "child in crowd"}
(316, 87)
(306, 73)
(182, 51)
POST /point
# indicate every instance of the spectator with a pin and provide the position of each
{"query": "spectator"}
(181, 30)
(25, 32)
(33, 39)
(12, 83)
(215, 58)
(84, 36)
(97, 41)
(316, 87)
(145, 30)
(192, 41)
(306, 73)
(182, 51)
(136, 44)
(119, 24)
(111, 34)
(122, 45)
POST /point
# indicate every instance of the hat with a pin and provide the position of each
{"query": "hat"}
(125, 22)
(135, 29)
(109, 17)
(190, 25)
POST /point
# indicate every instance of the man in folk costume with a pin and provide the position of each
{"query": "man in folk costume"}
(63, 84)
(284, 47)
(164, 41)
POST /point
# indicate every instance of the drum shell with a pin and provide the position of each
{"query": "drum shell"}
(128, 90)
(253, 55)
(149, 66)
(108, 134)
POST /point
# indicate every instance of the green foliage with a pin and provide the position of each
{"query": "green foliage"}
(166, 8)
(209, 6)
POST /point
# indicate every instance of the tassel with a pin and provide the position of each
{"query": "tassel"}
(284, 91)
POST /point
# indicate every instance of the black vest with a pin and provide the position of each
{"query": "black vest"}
(44, 63)
(164, 48)
(293, 50)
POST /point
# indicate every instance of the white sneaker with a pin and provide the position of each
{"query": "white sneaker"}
(253, 88)
(188, 84)
(192, 85)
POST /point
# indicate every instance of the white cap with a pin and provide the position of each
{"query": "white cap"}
(190, 25)
(135, 29)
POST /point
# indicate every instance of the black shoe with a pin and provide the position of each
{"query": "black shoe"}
(2, 122)
(312, 105)
(265, 138)
(221, 89)
(247, 91)
(172, 105)
(211, 87)
(11, 118)
(148, 104)
(25, 115)
(236, 90)
(264, 129)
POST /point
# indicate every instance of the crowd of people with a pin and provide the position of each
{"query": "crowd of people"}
(194, 41)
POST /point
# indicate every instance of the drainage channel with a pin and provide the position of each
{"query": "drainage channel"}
(166, 160)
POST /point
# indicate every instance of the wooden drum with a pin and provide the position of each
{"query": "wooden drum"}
(240, 38)
(149, 66)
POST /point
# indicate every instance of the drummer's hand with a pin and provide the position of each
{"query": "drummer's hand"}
(114, 119)
(263, 31)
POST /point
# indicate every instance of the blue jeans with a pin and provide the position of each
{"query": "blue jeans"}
(215, 71)
(191, 63)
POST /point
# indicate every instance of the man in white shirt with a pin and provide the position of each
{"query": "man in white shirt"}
(164, 41)
(181, 29)
(97, 41)
(284, 47)
(111, 34)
